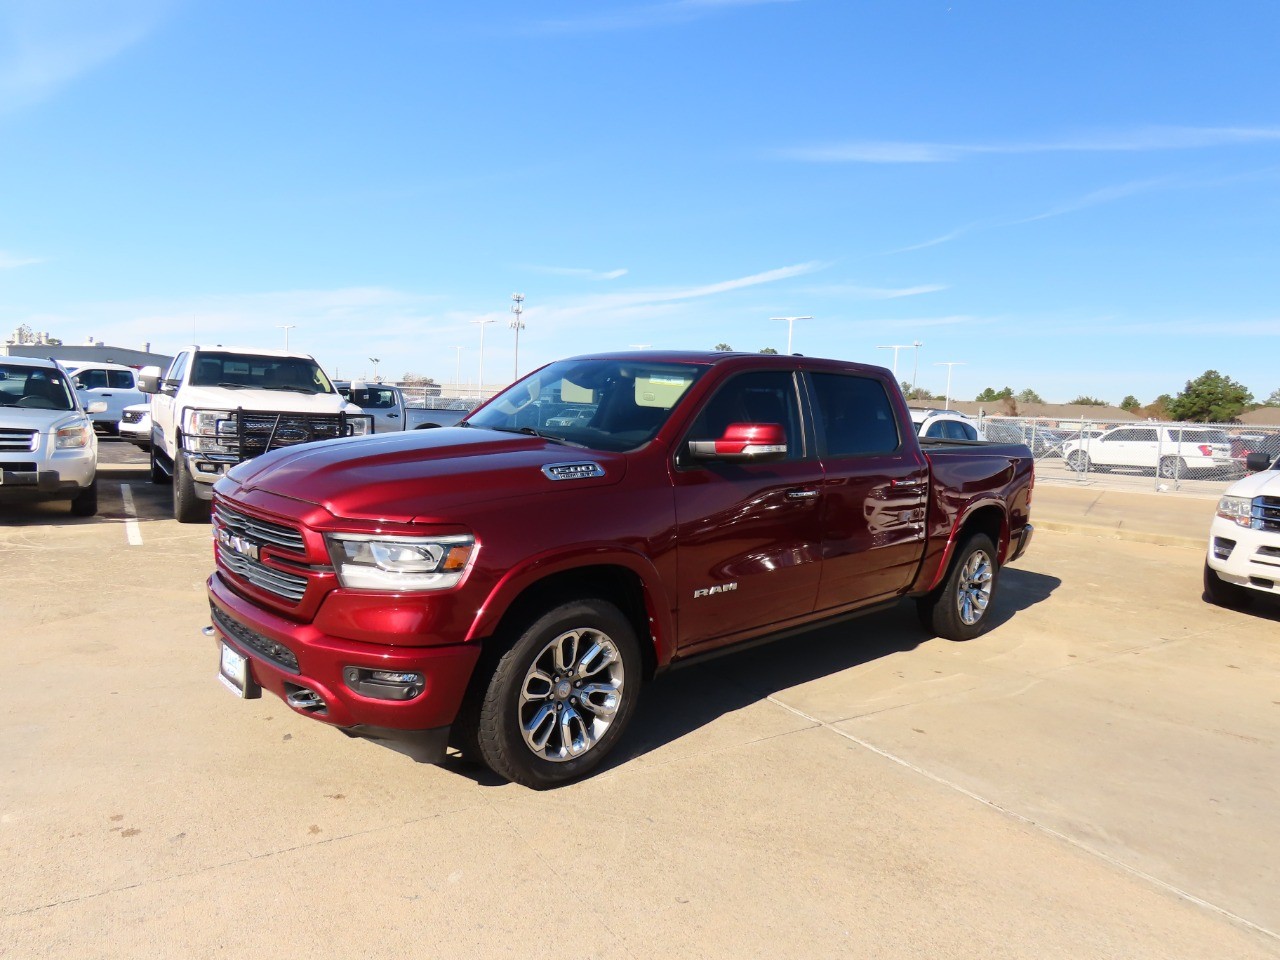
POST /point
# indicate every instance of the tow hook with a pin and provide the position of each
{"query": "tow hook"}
(300, 698)
(208, 631)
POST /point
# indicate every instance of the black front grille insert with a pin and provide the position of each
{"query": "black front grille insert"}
(260, 531)
(133, 416)
(259, 432)
(265, 647)
(17, 440)
(1267, 510)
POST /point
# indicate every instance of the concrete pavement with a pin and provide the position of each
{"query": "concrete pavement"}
(1168, 519)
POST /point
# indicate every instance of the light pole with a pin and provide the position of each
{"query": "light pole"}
(482, 321)
(517, 324)
(286, 327)
(790, 323)
(375, 361)
(915, 367)
(457, 368)
(949, 364)
(895, 347)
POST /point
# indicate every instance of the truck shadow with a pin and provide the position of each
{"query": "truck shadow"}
(693, 696)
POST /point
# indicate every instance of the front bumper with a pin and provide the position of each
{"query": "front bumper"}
(65, 474)
(1245, 557)
(418, 726)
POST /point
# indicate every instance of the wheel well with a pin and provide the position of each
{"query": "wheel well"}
(989, 520)
(617, 585)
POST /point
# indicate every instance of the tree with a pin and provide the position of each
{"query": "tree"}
(1210, 398)
(723, 348)
(1030, 396)
(1130, 403)
(1274, 399)
(1158, 409)
(1087, 401)
(916, 393)
(990, 395)
(769, 350)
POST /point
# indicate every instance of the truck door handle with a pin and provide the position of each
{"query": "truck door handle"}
(392, 416)
(801, 494)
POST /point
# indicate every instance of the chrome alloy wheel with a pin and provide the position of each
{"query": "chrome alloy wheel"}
(570, 694)
(973, 592)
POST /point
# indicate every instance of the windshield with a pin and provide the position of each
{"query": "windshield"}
(37, 388)
(293, 374)
(611, 405)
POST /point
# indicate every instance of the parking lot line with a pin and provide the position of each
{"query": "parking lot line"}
(131, 529)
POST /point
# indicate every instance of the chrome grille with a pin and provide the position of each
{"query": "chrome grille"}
(265, 647)
(16, 440)
(260, 432)
(287, 585)
(1267, 511)
(263, 531)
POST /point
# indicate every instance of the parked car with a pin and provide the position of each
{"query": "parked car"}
(512, 585)
(386, 403)
(1170, 451)
(572, 417)
(135, 425)
(1244, 538)
(113, 384)
(1246, 443)
(48, 447)
(1043, 441)
(946, 425)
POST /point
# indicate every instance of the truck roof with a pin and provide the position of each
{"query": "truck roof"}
(735, 358)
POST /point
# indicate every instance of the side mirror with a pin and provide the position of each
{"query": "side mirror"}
(149, 379)
(1255, 462)
(98, 406)
(743, 443)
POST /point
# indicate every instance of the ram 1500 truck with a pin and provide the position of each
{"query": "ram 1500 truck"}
(217, 406)
(507, 586)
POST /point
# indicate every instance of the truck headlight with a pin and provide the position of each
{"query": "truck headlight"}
(396, 564)
(359, 425)
(209, 423)
(73, 438)
(1237, 509)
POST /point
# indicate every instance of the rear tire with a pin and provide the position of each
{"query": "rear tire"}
(187, 507)
(85, 503)
(959, 609)
(1172, 468)
(1223, 594)
(1078, 461)
(559, 699)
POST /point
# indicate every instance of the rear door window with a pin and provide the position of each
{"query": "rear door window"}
(855, 414)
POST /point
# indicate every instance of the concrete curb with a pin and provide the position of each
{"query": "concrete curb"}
(1120, 533)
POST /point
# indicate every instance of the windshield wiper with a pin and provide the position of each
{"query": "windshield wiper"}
(534, 432)
(232, 386)
(306, 390)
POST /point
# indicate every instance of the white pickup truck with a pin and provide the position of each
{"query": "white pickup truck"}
(1243, 560)
(217, 406)
(386, 403)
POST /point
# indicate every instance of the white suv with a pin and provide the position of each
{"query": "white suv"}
(112, 383)
(48, 450)
(1171, 451)
(945, 425)
(1243, 559)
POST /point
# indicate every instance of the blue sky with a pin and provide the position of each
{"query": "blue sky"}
(1076, 198)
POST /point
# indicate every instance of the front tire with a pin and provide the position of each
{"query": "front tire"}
(1078, 461)
(187, 507)
(560, 698)
(85, 503)
(1223, 594)
(958, 610)
(1171, 468)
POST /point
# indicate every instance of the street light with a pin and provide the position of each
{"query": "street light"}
(517, 324)
(915, 367)
(375, 361)
(895, 347)
(286, 327)
(457, 368)
(949, 364)
(790, 323)
(482, 321)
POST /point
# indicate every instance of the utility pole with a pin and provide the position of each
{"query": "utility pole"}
(790, 323)
(517, 324)
(482, 321)
(915, 367)
(457, 368)
(949, 364)
(895, 347)
(286, 327)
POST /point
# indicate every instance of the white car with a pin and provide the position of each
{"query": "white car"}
(1243, 559)
(113, 384)
(135, 425)
(48, 448)
(1170, 451)
(945, 425)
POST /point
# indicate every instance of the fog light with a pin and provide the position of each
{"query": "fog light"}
(384, 684)
(1222, 547)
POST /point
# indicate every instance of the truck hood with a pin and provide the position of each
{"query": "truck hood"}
(249, 398)
(1263, 483)
(422, 475)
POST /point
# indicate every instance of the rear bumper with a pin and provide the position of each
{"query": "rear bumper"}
(418, 726)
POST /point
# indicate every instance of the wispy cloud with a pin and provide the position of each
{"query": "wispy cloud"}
(648, 16)
(10, 261)
(580, 272)
(1138, 140)
(853, 291)
(44, 46)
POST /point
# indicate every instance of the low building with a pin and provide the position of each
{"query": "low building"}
(89, 353)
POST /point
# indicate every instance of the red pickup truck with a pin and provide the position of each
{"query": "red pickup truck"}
(506, 586)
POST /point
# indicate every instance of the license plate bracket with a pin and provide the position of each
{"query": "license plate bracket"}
(235, 674)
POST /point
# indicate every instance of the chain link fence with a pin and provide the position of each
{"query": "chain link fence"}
(434, 397)
(1164, 456)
